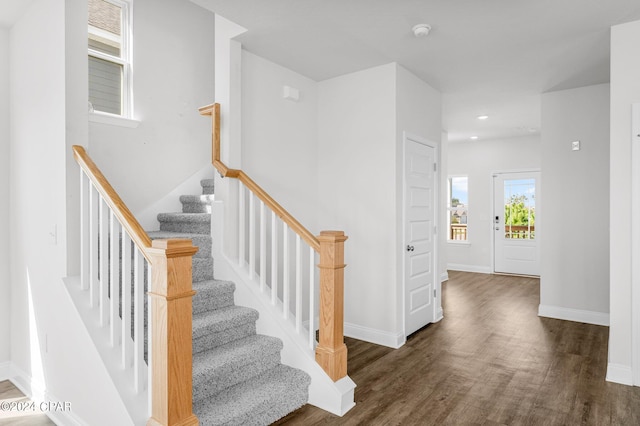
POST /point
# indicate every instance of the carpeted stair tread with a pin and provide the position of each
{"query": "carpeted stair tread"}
(207, 186)
(184, 217)
(198, 223)
(235, 362)
(222, 319)
(204, 198)
(196, 203)
(202, 241)
(201, 268)
(212, 294)
(259, 401)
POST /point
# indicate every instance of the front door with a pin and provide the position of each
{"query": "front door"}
(419, 234)
(516, 230)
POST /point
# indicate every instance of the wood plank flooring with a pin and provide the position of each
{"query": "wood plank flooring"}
(490, 361)
(11, 394)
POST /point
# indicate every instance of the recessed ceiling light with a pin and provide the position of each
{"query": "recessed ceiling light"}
(482, 117)
(473, 138)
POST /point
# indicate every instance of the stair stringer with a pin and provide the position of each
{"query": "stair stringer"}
(334, 397)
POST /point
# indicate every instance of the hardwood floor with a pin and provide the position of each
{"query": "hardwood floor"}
(490, 361)
(10, 394)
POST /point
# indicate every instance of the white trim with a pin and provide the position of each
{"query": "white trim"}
(113, 120)
(570, 314)
(444, 276)
(635, 244)
(621, 374)
(371, 335)
(469, 268)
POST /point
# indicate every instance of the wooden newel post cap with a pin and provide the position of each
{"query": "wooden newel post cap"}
(332, 236)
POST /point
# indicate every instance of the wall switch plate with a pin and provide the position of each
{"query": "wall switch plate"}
(575, 145)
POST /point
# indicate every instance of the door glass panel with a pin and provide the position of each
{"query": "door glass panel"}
(519, 209)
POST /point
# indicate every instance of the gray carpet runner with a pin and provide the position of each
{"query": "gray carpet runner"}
(237, 375)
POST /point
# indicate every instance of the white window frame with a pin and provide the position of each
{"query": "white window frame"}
(450, 208)
(124, 60)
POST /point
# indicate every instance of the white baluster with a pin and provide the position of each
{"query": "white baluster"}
(263, 247)
(85, 255)
(138, 320)
(312, 303)
(252, 236)
(285, 271)
(274, 258)
(241, 224)
(298, 265)
(104, 262)
(114, 280)
(126, 300)
(94, 229)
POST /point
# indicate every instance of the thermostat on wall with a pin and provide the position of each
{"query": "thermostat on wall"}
(575, 145)
(290, 93)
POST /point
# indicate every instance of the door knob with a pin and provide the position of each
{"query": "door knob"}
(410, 248)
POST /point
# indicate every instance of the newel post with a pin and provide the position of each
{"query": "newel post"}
(331, 352)
(171, 319)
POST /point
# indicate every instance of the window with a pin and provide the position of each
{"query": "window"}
(458, 208)
(110, 57)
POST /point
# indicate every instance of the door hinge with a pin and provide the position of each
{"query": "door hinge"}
(435, 229)
(434, 293)
(435, 167)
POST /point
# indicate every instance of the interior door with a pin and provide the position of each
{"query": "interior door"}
(419, 234)
(515, 223)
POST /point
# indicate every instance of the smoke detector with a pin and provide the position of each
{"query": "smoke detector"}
(421, 30)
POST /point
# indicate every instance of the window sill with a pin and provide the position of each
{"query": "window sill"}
(458, 243)
(113, 120)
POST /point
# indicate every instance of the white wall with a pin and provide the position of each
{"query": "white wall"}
(279, 136)
(575, 198)
(172, 78)
(50, 349)
(5, 293)
(361, 119)
(625, 89)
(478, 160)
(357, 188)
(419, 112)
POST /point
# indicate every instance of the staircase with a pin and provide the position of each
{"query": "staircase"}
(237, 374)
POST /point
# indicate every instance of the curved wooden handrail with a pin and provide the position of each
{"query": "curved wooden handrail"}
(119, 208)
(297, 227)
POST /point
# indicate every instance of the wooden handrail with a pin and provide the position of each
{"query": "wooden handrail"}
(297, 227)
(119, 208)
(331, 352)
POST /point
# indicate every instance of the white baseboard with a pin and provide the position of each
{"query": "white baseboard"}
(371, 335)
(469, 268)
(621, 374)
(577, 315)
(444, 276)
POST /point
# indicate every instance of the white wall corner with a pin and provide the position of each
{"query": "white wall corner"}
(371, 335)
(622, 374)
(5, 370)
(577, 315)
(469, 268)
